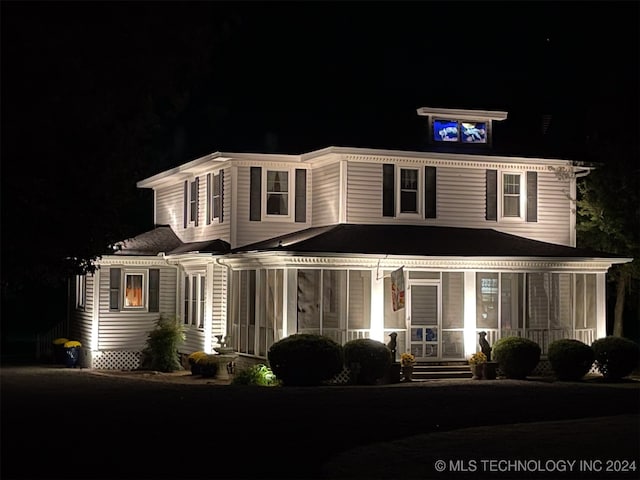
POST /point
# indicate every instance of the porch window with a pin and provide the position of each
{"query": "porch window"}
(322, 302)
(511, 301)
(487, 300)
(194, 299)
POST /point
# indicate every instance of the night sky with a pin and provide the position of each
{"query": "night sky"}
(96, 96)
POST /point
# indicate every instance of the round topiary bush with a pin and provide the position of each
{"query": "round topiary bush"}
(373, 359)
(570, 359)
(615, 357)
(305, 359)
(516, 356)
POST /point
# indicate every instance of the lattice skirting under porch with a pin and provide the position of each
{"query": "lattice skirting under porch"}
(116, 360)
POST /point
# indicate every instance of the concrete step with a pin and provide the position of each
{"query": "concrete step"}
(426, 371)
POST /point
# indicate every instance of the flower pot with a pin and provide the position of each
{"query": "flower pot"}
(72, 356)
(489, 372)
(477, 371)
(407, 373)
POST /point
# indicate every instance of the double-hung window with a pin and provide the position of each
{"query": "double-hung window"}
(277, 192)
(409, 190)
(511, 195)
(134, 289)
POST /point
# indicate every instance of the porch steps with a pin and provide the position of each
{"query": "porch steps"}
(428, 371)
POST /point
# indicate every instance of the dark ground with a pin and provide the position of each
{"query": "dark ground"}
(60, 423)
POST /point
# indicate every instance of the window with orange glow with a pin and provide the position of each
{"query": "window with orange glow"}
(133, 288)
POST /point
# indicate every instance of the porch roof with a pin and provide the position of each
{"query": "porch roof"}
(416, 240)
(163, 239)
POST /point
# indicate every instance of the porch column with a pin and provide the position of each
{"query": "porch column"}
(377, 307)
(208, 309)
(601, 305)
(290, 310)
(469, 313)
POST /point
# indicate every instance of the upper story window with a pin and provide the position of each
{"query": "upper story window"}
(276, 194)
(408, 191)
(215, 197)
(512, 195)
(190, 200)
(511, 190)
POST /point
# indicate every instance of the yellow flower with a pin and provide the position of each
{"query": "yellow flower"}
(477, 358)
(195, 356)
(407, 359)
(72, 343)
(60, 341)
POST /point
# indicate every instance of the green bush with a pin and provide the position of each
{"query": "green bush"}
(370, 358)
(615, 357)
(255, 375)
(305, 359)
(516, 356)
(570, 359)
(161, 351)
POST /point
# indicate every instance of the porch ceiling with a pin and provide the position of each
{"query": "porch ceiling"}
(416, 240)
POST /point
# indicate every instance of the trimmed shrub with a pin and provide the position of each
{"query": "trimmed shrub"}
(570, 359)
(616, 357)
(516, 356)
(305, 359)
(373, 359)
(255, 375)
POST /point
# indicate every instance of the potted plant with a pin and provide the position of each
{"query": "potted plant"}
(59, 355)
(407, 361)
(476, 363)
(193, 362)
(72, 352)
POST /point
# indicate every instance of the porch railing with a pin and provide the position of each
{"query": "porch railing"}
(543, 337)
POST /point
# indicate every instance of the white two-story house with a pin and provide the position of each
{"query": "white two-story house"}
(353, 243)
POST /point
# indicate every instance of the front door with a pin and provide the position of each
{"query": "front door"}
(423, 320)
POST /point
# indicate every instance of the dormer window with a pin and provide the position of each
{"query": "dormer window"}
(277, 192)
(456, 131)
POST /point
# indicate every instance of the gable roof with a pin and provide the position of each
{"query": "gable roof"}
(416, 240)
(162, 239)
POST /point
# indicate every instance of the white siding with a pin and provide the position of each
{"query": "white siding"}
(461, 202)
(170, 211)
(129, 330)
(326, 194)
(80, 328)
(250, 232)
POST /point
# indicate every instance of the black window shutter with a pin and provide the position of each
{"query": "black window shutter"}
(221, 190)
(154, 289)
(186, 204)
(209, 200)
(429, 192)
(492, 195)
(388, 190)
(197, 184)
(532, 196)
(301, 195)
(114, 288)
(256, 194)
